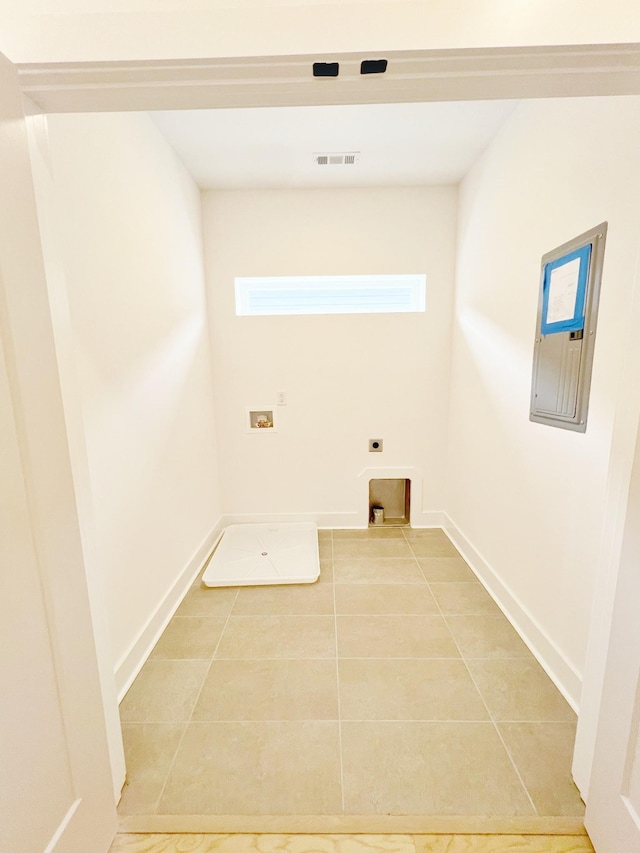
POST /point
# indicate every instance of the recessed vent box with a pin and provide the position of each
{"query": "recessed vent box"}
(337, 158)
(566, 331)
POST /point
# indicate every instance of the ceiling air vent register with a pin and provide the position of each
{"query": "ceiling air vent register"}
(345, 158)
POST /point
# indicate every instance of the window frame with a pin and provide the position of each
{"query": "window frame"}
(334, 294)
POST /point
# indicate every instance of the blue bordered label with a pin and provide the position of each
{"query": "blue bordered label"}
(564, 290)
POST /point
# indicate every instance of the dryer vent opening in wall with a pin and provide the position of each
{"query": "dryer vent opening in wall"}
(389, 502)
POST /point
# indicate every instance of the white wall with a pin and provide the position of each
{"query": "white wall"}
(85, 29)
(348, 377)
(526, 500)
(129, 225)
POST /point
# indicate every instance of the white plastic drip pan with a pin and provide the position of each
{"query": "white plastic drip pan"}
(257, 554)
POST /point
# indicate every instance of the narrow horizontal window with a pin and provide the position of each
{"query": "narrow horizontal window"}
(330, 294)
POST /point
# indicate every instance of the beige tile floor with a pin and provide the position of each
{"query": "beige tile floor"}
(392, 686)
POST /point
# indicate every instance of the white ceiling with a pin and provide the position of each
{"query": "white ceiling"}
(399, 144)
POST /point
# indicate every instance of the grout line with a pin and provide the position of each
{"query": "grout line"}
(348, 720)
(439, 612)
(270, 614)
(492, 720)
(515, 766)
(274, 657)
(197, 616)
(342, 657)
(426, 720)
(351, 582)
(156, 804)
(252, 722)
(186, 725)
(278, 615)
(335, 629)
(432, 612)
(481, 695)
(373, 720)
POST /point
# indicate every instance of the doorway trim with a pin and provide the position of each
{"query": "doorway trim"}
(412, 76)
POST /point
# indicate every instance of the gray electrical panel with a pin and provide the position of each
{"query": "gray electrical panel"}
(566, 330)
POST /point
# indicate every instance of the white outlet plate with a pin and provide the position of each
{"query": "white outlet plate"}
(281, 398)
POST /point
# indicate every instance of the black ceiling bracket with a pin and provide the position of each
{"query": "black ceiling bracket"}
(373, 66)
(326, 69)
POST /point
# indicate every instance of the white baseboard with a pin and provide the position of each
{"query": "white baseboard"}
(322, 519)
(132, 661)
(558, 668)
(328, 520)
(428, 519)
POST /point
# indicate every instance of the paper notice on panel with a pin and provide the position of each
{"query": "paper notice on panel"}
(563, 291)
